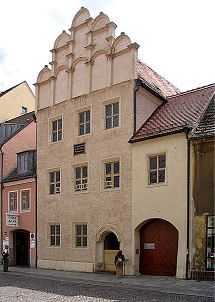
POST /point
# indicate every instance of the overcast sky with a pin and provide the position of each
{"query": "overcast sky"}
(176, 37)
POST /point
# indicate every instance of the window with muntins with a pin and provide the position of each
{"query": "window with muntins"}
(23, 163)
(54, 235)
(112, 175)
(111, 115)
(54, 182)
(84, 122)
(13, 201)
(57, 130)
(81, 177)
(157, 169)
(25, 200)
(81, 235)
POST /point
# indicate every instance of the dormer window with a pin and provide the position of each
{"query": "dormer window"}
(24, 110)
(23, 163)
(26, 161)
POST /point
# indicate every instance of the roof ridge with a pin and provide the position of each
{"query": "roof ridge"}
(160, 76)
(11, 88)
(191, 90)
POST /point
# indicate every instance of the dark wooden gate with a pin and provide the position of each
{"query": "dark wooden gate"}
(158, 248)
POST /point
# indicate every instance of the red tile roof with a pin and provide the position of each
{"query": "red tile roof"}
(182, 110)
(155, 81)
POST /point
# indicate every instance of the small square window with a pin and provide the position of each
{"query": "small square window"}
(157, 169)
(24, 110)
(81, 235)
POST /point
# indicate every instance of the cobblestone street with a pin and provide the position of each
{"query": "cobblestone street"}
(28, 288)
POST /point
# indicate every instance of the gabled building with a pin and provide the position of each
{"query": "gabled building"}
(16, 101)
(172, 187)
(19, 210)
(88, 104)
(16, 135)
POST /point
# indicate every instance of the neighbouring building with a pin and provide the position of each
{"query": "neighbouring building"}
(88, 104)
(202, 195)
(17, 135)
(16, 101)
(19, 210)
(172, 186)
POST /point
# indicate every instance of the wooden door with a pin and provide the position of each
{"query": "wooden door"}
(158, 248)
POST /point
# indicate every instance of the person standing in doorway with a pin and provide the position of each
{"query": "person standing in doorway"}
(5, 255)
(119, 260)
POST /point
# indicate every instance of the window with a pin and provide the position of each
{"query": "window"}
(81, 179)
(111, 115)
(81, 235)
(57, 130)
(211, 242)
(22, 163)
(25, 200)
(112, 175)
(54, 235)
(13, 201)
(24, 110)
(157, 167)
(84, 122)
(54, 182)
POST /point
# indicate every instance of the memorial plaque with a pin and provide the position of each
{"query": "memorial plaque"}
(79, 149)
(149, 246)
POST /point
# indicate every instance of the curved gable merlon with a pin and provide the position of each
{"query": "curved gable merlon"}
(44, 74)
(81, 17)
(121, 43)
(61, 40)
(100, 21)
(97, 53)
(78, 60)
(60, 68)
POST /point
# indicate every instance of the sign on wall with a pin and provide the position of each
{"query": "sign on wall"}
(12, 220)
(32, 240)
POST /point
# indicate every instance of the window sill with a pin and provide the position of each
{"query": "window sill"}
(25, 211)
(80, 192)
(157, 185)
(111, 190)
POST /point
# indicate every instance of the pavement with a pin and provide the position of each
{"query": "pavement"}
(149, 283)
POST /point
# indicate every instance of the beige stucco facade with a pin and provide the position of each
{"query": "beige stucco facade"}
(90, 69)
(167, 201)
(11, 103)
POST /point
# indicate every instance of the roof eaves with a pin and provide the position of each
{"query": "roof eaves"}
(149, 89)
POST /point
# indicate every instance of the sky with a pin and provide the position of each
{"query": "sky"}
(176, 37)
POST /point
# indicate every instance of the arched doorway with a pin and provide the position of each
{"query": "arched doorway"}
(111, 247)
(158, 248)
(21, 247)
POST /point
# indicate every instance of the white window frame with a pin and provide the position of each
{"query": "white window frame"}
(82, 246)
(21, 209)
(16, 202)
(103, 173)
(74, 167)
(110, 101)
(76, 118)
(49, 224)
(49, 182)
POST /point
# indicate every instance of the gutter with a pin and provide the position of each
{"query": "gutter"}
(186, 130)
(36, 253)
(138, 84)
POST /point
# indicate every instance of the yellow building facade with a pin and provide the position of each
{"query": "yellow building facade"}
(16, 101)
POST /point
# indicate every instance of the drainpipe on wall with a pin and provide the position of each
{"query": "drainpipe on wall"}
(138, 84)
(186, 130)
(1, 192)
(35, 120)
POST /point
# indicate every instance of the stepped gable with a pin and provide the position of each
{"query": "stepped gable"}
(180, 111)
(155, 81)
